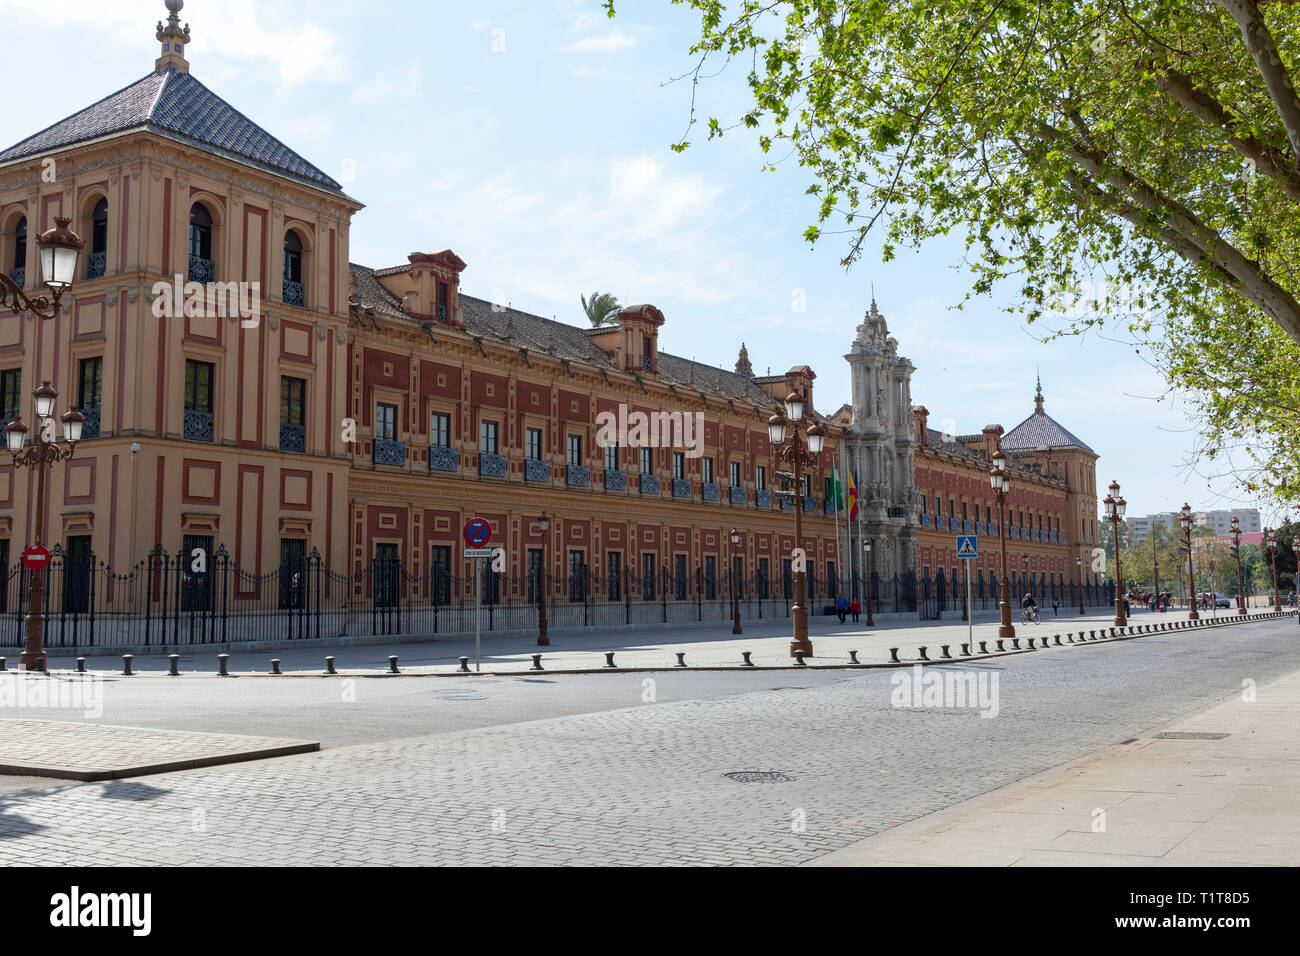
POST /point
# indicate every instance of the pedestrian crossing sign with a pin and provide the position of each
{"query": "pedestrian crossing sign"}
(967, 546)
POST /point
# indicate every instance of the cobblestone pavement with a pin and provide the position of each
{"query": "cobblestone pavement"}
(645, 785)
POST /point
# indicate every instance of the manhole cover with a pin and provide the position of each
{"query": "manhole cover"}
(759, 776)
(1183, 735)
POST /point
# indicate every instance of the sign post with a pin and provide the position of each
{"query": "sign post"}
(477, 533)
(968, 548)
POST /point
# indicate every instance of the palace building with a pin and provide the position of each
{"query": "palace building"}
(358, 415)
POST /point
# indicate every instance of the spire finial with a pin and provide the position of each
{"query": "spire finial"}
(1038, 394)
(173, 39)
(743, 367)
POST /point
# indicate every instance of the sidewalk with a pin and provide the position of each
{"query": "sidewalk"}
(767, 642)
(1152, 802)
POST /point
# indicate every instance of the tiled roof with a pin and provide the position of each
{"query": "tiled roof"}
(569, 342)
(176, 105)
(1041, 429)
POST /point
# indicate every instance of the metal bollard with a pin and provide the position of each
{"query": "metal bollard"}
(126, 664)
(275, 665)
(174, 662)
(965, 650)
(1031, 643)
(921, 651)
(81, 665)
(746, 662)
(1001, 646)
(609, 659)
(329, 666)
(853, 656)
(1058, 640)
(464, 665)
(893, 656)
(392, 664)
(537, 663)
(1092, 635)
(984, 647)
(943, 648)
(1015, 643)
(222, 661)
(681, 658)
(3, 662)
(798, 659)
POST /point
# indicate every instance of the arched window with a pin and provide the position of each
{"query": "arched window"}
(293, 287)
(97, 260)
(19, 264)
(201, 266)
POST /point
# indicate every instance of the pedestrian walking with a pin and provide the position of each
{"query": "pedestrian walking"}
(1056, 606)
(855, 609)
(841, 607)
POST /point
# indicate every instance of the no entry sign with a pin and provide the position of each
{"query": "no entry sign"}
(36, 558)
(477, 532)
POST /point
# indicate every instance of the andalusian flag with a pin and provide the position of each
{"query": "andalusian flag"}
(837, 493)
(853, 496)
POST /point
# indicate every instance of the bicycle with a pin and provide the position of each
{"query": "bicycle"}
(1030, 616)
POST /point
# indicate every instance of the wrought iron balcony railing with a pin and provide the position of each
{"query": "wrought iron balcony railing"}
(293, 293)
(96, 265)
(90, 429)
(386, 451)
(615, 480)
(577, 476)
(649, 484)
(490, 465)
(293, 437)
(198, 425)
(202, 270)
(537, 470)
(681, 488)
(442, 458)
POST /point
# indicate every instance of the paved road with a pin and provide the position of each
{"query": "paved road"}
(642, 783)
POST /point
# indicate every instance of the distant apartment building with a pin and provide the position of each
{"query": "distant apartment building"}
(1139, 529)
(1221, 521)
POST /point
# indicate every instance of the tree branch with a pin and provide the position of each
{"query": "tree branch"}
(1269, 160)
(1260, 45)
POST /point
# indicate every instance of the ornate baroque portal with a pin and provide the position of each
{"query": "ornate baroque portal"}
(881, 448)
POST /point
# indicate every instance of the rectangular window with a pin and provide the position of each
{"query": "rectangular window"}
(534, 444)
(198, 386)
(763, 571)
(735, 474)
(832, 581)
(440, 430)
(611, 457)
(679, 576)
(807, 486)
(78, 566)
(11, 394)
(963, 511)
(440, 574)
(196, 586)
(679, 464)
(787, 578)
(710, 577)
(577, 576)
(647, 576)
(575, 449)
(293, 395)
(923, 504)
(293, 573)
(386, 571)
(647, 461)
(760, 478)
(830, 492)
(90, 382)
(487, 437)
(386, 421)
(707, 465)
(614, 575)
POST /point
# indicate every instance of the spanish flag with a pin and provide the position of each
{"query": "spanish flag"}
(853, 496)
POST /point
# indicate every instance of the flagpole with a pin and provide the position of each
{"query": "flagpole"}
(839, 560)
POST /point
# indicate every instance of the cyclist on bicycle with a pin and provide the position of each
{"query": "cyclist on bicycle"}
(1030, 608)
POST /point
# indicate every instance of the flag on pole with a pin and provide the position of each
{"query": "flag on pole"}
(853, 496)
(837, 492)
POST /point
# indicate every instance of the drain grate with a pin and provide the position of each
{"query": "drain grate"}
(759, 776)
(1186, 735)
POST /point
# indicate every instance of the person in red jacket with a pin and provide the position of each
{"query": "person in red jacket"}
(856, 609)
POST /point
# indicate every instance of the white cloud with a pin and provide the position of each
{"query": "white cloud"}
(611, 42)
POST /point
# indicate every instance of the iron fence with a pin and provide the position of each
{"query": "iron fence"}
(191, 597)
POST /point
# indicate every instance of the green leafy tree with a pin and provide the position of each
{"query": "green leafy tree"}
(602, 308)
(1080, 148)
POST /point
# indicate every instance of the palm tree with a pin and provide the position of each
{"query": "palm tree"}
(602, 308)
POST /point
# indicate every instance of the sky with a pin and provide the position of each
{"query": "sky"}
(532, 137)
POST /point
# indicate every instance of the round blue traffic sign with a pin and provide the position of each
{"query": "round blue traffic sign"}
(477, 532)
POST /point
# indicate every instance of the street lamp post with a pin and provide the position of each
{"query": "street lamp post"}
(798, 456)
(60, 248)
(1270, 542)
(735, 583)
(1078, 562)
(1235, 534)
(543, 640)
(1000, 479)
(1115, 508)
(866, 551)
(1185, 519)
